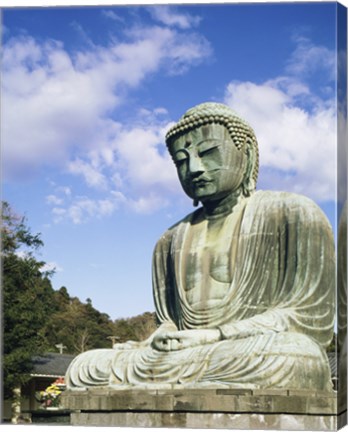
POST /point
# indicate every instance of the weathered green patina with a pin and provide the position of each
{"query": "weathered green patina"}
(243, 286)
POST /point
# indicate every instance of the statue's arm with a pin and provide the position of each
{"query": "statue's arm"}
(272, 321)
(293, 287)
(163, 281)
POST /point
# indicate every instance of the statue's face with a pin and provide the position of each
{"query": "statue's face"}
(208, 163)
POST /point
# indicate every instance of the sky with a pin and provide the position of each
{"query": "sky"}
(88, 94)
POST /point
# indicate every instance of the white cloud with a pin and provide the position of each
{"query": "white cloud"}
(174, 50)
(82, 33)
(140, 177)
(296, 129)
(140, 168)
(143, 158)
(91, 174)
(112, 15)
(79, 209)
(308, 58)
(66, 190)
(53, 199)
(55, 104)
(171, 17)
(148, 203)
(56, 110)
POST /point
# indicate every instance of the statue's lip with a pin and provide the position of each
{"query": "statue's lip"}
(201, 184)
(199, 181)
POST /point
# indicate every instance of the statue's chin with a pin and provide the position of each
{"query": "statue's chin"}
(214, 198)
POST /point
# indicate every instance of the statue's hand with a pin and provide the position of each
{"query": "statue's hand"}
(131, 345)
(127, 345)
(177, 340)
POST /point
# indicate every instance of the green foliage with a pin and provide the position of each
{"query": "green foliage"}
(36, 317)
(136, 328)
(26, 298)
(79, 326)
(124, 331)
(15, 233)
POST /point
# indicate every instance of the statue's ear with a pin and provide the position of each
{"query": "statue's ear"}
(250, 176)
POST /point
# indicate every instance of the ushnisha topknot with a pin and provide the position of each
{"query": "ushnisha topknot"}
(240, 131)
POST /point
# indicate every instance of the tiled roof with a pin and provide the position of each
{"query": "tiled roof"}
(52, 364)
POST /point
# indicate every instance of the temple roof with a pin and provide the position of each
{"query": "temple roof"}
(51, 364)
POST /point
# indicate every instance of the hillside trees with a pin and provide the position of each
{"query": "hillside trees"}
(27, 293)
(36, 317)
(79, 326)
(137, 328)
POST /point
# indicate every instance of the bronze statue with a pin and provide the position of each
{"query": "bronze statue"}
(243, 286)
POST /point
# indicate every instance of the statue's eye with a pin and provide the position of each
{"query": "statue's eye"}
(207, 147)
(180, 157)
(179, 163)
(207, 151)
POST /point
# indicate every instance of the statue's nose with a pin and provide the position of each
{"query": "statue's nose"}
(196, 165)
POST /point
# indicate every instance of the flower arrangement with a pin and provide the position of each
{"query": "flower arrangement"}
(50, 397)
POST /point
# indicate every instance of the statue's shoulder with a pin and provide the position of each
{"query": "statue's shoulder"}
(274, 202)
(281, 198)
(168, 235)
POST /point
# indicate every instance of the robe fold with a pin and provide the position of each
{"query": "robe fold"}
(276, 316)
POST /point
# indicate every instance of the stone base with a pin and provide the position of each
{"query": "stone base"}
(207, 420)
(205, 408)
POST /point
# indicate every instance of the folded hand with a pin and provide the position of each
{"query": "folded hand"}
(178, 340)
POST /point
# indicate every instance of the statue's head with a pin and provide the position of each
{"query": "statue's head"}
(215, 152)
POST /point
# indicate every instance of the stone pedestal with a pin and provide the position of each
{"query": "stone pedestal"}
(205, 408)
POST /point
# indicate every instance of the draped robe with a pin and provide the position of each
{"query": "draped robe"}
(275, 316)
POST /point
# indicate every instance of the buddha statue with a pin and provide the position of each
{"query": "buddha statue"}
(243, 286)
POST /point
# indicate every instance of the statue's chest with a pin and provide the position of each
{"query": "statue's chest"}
(209, 255)
(208, 262)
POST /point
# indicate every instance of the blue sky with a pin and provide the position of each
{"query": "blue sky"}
(88, 94)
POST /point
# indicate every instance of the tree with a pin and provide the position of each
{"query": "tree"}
(136, 328)
(27, 295)
(36, 317)
(144, 325)
(78, 325)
